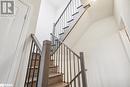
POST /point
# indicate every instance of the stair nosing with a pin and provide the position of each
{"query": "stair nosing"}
(36, 67)
(55, 75)
(75, 13)
(30, 80)
(65, 27)
(53, 66)
(79, 6)
(70, 21)
(61, 33)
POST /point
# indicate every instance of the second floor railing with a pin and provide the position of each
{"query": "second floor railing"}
(69, 17)
(66, 17)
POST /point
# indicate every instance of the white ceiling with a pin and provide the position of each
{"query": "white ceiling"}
(57, 3)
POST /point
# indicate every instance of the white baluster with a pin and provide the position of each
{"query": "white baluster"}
(79, 3)
(67, 16)
(76, 5)
(73, 7)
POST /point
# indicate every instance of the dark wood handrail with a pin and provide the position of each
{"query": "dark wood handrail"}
(36, 42)
(63, 12)
(87, 6)
(33, 63)
(75, 77)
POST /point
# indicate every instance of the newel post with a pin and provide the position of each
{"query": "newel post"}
(83, 70)
(44, 64)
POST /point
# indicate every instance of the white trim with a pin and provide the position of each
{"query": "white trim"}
(126, 42)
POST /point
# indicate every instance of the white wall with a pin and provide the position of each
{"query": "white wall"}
(31, 28)
(50, 11)
(61, 9)
(97, 34)
(105, 56)
(122, 12)
(10, 40)
(99, 10)
(45, 21)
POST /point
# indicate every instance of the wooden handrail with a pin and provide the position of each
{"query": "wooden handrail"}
(33, 63)
(63, 12)
(66, 34)
(87, 6)
(75, 77)
(36, 42)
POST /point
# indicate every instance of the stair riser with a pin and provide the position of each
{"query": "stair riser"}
(55, 79)
(51, 63)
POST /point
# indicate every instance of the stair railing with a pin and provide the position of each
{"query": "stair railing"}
(69, 18)
(33, 63)
(38, 64)
(70, 64)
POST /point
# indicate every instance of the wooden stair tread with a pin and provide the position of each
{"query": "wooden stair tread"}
(30, 80)
(36, 67)
(54, 75)
(51, 60)
(52, 66)
(61, 84)
(55, 78)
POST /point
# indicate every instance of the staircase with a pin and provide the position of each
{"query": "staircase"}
(54, 64)
(69, 18)
(55, 79)
(67, 69)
